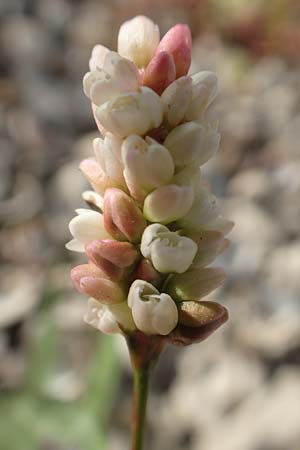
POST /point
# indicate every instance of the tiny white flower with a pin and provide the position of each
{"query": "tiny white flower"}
(168, 203)
(168, 251)
(192, 143)
(116, 77)
(153, 313)
(176, 99)
(107, 318)
(86, 227)
(205, 87)
(138, 39)
(134, 113)
(97, 57)
(147, 165)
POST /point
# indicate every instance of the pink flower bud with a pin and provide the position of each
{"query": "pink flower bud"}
(103, 290)
(145, 271)
(111, 270)
(95, 175)
(119, 254)
(178, 42)
(160, 72)
(122, 217)
(84, 270)
(89, 279)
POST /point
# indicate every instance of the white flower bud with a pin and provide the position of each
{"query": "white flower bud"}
(97, 57)
(108, 155)
(192, 143)
(86, 227)
(147, 165)
(168, 203)
(168, 252)
(116, 77)
(176, 99)
(153, 313)
(205, 87)
(138, 39)
(205, 214)
(132, 113)
(107, 318)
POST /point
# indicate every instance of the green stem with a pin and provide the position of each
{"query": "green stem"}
(144, 351)
(141, 379)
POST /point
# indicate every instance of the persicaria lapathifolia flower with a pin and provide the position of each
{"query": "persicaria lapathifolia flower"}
(154, 228)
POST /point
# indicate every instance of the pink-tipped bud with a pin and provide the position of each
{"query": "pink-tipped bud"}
(89, 279)
(145, 271)
(103, 290)
(160, 72)
(122, 218)
(120, 254)
(95, 175)
(178, 42)
(84, 270)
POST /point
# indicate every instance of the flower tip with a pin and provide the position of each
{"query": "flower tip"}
(160, 72)
(178, 42)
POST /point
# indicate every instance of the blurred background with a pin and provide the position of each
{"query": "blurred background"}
(63, 385)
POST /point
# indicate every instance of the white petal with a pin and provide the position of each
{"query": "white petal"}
(147, 165)
(171, 253)
(131, 113)
(205, 87)
(138, 39)
(185, 143)
(150, 234)
(75, 246)
(88, 226)
(176, 99)
(97, 57)
(153, 313)
(168, 203)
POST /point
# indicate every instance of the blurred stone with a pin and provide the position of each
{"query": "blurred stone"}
(20, 293)
(254, 184)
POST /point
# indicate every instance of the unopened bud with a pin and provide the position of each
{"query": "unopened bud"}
(210, 245)
(205, 87)
(147, 165)
(97, 57)
(160, 72)
(95, 175)
(176, 99)
(168, 252)
(195, 284)
(120, 254)
(168, 203)
(91, 281)
(178, 42)
(131, 113)
(122, 218)
(118, 76)
(145, 271)
(84, 270)
(108, 154)
(138, 39)
(153, 313)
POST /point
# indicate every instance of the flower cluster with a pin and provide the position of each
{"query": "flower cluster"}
(154, 227)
